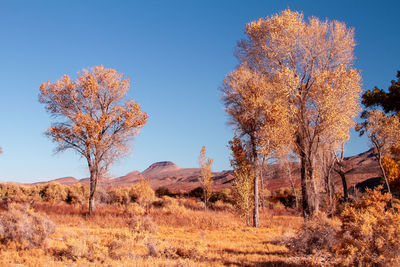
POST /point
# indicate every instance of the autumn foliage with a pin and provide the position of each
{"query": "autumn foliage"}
(93, 122)
(295, 82)
(205, 175)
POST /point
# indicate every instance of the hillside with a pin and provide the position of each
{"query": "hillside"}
(358, 168)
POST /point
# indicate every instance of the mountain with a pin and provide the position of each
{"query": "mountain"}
(358, 168)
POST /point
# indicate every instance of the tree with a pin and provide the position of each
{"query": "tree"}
(94, 123)
(389, 101)
(383, 132)
(309, 63)
(205, 180)
(258, 115)
(243, 182)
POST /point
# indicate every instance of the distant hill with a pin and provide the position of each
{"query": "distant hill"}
(358, 168)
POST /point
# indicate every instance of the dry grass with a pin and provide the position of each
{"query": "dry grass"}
(170, 235)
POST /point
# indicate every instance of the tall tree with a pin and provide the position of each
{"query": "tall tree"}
(205, 180)
(258, 114)
(310, 64)
(383, 132)
(93, 121)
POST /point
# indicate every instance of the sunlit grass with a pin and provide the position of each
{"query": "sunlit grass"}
(168, 236)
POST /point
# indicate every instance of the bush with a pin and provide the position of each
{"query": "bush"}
(221, 206)
(223, 195)
(143, 194)
(54, 191)
(23, 226)
(318, 234)
(119, 195)
(198, 192)
(142, 224)
(162, 191)
(77, 194)
(370, 233)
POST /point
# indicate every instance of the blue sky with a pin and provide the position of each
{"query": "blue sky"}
(176, 54)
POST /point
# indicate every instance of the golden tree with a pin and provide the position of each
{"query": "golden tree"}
(95, 123)
(205, 179)
(258, 112)
(384, 133)
(243, 183)
(309, 63)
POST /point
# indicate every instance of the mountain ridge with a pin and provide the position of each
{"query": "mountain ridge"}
(167, 174)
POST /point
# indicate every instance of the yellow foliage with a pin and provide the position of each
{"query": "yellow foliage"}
(205, 179)
(143, 194)
(392, 169)
(95, 123)
(370, 233)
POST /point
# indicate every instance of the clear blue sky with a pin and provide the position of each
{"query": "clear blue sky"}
(176, 54)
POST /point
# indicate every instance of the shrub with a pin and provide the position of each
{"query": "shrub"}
(220, 205)
(223, 195)
(143, 194)
(192, 203)
(77, 194)
(142, 224)
(53, 191)
(119, 195)
(23, 226)
(370, 233)
(198, 192)
(134, 209)
(162, 191)
(317, 234)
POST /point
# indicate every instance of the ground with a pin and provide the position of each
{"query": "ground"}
(163, 236)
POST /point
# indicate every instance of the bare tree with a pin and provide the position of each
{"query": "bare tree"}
(93, 123)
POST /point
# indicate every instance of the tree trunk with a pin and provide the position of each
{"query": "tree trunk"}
(256, 194)
(262, 183)
(255, 214)
(292, 184)
(312, 182)
(93, 183)
(304, 187)
(205, 199)
(329, 192)
(344, 183)
(385, 177)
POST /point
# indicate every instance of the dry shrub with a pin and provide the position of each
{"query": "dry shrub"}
(54, 191)
(89, 248)
(21, 225)
(171, 205)
(118, 195)
(370, 233)
(77, 194)
(143, 194)
(142, 224)
(318, 234)
(275, 205)
(19, 193)
(134, 209)
(192, 203)
(222, 206)
(183, 252)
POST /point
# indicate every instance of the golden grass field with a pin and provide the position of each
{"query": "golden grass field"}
(171, 235)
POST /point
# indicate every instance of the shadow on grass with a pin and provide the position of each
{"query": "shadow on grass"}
(244, 252)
